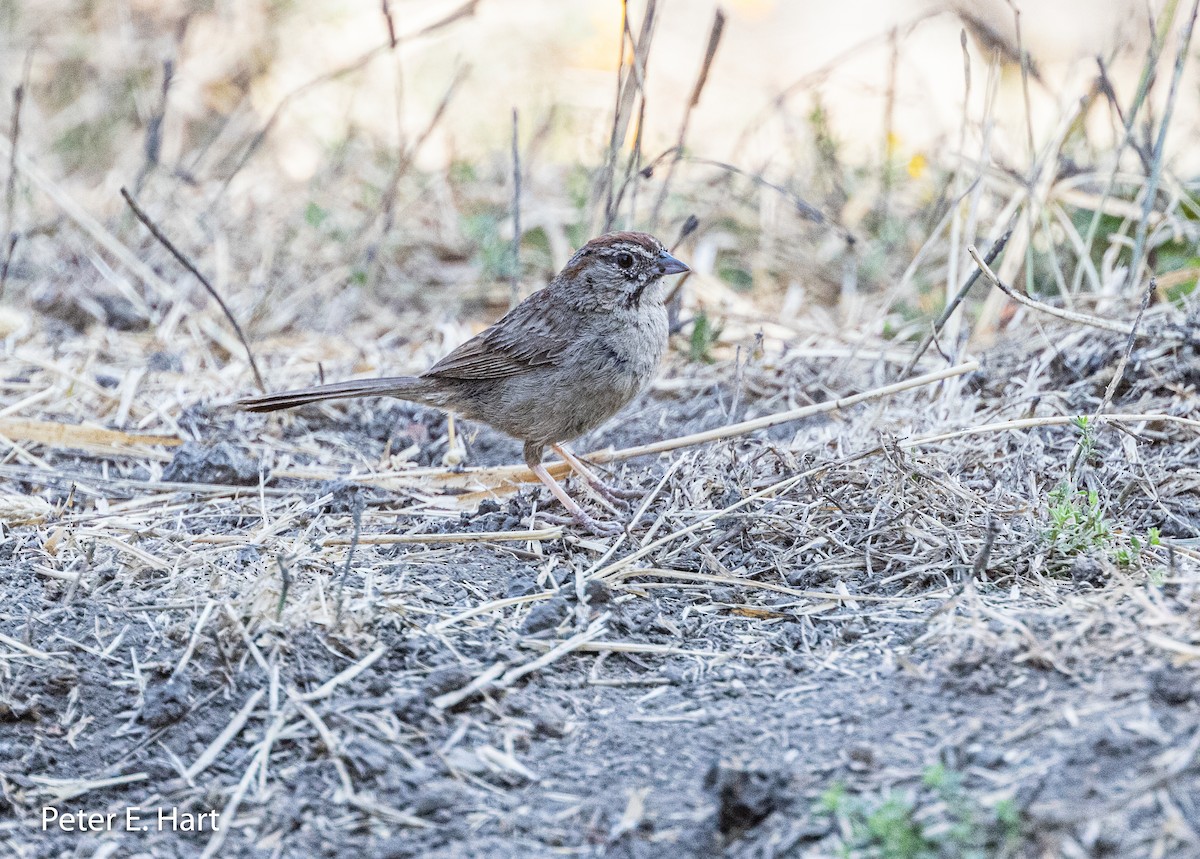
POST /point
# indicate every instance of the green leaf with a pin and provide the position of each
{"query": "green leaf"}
(314, 215)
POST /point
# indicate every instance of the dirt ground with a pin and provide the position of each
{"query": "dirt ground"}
(838, 636)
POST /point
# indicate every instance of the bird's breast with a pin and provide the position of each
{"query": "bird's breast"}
(630, 349)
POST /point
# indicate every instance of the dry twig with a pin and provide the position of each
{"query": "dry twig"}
(710, 53)
(187, 263)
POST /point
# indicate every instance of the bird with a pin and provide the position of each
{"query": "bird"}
(556, 366)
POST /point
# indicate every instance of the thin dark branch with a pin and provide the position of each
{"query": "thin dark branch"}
(803, 208)
(186, 263)
(460, 75)
(649, 169)
(628, 86)
(153, 145)
(1174, 333)
(1129, 341)
(12, 247)
(1150, 192)
(710, 53)
(1145, 83)
(889, 124)
(632, 169)
(1026, 65)
(10, 187)
(1109, 92)
(690, 224)
(992, 253)
(285, 584)
(357, 503)
(391, 25)
(466, 10)
(610, 164)
(515, 282)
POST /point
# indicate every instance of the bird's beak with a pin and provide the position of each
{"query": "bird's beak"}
(667, 264)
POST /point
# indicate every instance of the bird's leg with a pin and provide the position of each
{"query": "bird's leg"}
(456, 451)
(533, 458)
(580, 467)
(574, 509)
(605, 496)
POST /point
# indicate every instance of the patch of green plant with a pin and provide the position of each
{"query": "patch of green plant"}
(905, 312)
(67, 84)
(536, 253)
(320, 218)
(887, 228)
(939, 819)
(493, 251)
(1106, 225)
(874, 261)
(1167, 257)
(315, 215)
(1077, 522)
(1173, 257)
(1077, 525)
(704, 335)
(1129, 555)
(9, 15)
(734, 273)
(86, 145)
(135, 80)
(1085, 448)
(826, 144)
(579, 188)
(277, 9)
(577, 234)
(462, 172)
(1176, 293)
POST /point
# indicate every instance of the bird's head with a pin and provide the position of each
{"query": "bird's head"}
(621, 265)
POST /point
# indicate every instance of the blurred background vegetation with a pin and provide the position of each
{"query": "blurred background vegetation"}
(332, 163)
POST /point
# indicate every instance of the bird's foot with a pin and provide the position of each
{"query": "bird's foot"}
(600, 529)
(610, 494)
(578, 516)
(615, 494)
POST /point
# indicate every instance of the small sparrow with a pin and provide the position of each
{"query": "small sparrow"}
(557, 365)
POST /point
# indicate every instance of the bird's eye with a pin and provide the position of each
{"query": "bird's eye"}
(625, 260)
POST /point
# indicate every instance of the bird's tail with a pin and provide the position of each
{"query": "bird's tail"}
(403, 387)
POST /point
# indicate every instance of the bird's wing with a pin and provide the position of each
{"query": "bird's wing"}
(535, 333)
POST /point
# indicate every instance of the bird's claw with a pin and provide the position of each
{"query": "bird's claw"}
(617, 499)
(600, 529)
(614, 493)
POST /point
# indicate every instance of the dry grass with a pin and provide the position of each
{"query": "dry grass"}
(1028, 498)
